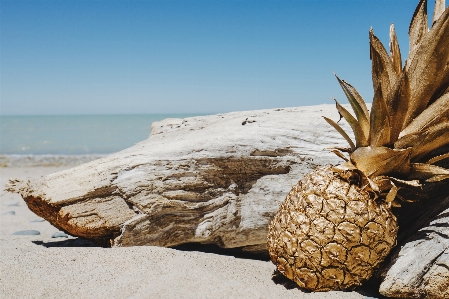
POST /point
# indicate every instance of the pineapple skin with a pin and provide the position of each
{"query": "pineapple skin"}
(330, 234)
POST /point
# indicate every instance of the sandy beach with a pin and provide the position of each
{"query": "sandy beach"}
(39, 261)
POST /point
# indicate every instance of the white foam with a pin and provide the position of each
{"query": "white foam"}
(46, 160)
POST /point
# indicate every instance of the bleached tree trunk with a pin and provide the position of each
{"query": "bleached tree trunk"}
(212, 179)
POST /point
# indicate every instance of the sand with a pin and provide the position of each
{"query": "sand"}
(53, 265)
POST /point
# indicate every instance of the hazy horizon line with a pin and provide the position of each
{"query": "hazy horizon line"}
(169, 113)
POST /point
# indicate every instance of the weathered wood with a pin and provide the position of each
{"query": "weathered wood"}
(420, 267)
(213, 179)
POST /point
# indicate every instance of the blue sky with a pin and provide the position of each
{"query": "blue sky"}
(116, 57)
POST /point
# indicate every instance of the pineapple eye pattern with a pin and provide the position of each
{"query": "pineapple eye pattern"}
(334, 234)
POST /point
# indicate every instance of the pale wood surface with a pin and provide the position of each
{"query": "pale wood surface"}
(214, 179)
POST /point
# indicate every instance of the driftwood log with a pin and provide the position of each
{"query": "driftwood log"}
(219, 179)
(419, 266)
(213, 179)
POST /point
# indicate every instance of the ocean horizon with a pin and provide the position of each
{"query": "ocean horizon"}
(72, 139)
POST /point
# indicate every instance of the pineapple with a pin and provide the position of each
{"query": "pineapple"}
(336, 225)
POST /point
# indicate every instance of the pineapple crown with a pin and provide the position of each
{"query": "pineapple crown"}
(395, 144)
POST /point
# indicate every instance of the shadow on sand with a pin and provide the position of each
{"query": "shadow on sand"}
(77, 242)
(370, 288)
(212, 248)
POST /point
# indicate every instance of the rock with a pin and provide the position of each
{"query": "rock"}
(30, 232)
(37, 220)
(59, 235)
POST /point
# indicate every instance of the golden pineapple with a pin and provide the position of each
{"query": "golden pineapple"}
(336, 224)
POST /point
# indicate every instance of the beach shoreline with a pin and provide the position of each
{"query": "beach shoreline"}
(29, 160)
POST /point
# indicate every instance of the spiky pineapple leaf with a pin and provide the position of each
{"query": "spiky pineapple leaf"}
(379, 121)
(409, 183)
(424, 170)
(429, 70)
(383, 73)
(402, 198)
(396, 203)
(392, 193)
(418, 28)
(344, 167)
(438, 178)
(359, 136)
(436, 113)
(339, 154)
(342, 149)
(424, 142)
(395, 52)
(428, 172)
(357, 97)
(397, 103)
(373, 186)
(414, 191)
(383, 183)
(357, 104)
(376, 161)
(341, 131)
(438, 158)
(438, 10)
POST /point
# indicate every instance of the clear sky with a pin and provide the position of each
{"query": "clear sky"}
(114, 57)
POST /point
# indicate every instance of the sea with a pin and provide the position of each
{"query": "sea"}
(71, 139)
